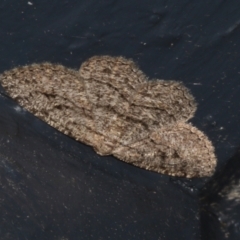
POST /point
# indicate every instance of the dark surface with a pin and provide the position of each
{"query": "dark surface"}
(53, 187)
(220, 203)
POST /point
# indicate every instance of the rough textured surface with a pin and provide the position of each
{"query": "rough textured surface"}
(111, 105)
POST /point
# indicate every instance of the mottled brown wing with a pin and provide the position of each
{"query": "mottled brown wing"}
(170, 97)
(102, 113)
(115, 71)
(177, 150)
(118, 84)
(117, 128)
(56, 95)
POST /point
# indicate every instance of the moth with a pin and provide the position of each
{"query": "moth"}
(112, 106)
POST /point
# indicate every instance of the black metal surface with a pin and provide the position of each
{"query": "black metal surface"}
(52, 187)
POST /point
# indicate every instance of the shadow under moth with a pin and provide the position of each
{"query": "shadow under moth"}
(111, 105)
